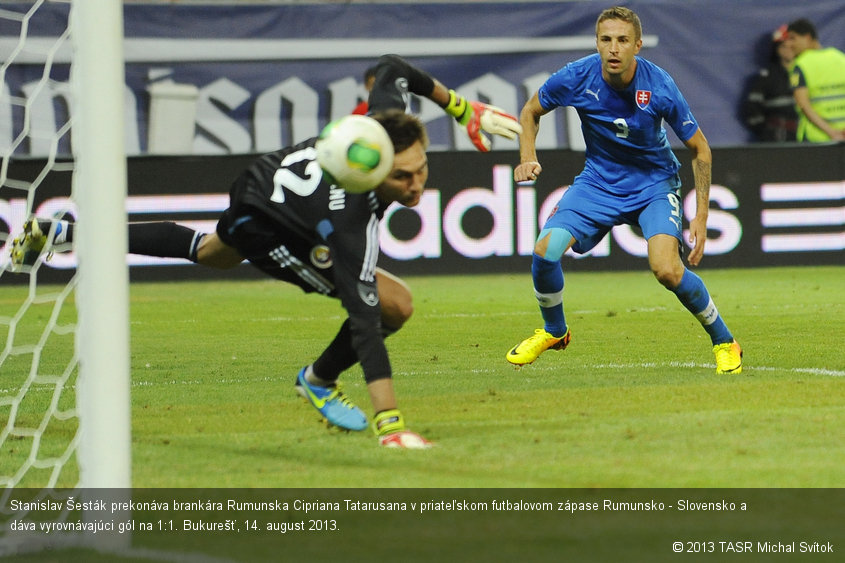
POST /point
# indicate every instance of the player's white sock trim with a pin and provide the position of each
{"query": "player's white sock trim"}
(709, 315)
(312, 378)
(547, 300)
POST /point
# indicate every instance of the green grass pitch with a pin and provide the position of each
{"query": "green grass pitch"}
(633, 402)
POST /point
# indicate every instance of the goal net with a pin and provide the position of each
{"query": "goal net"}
(64, 347)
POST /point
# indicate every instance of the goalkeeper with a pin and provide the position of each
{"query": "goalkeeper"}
(298, 240)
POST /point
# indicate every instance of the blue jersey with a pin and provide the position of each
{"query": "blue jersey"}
(627, 148)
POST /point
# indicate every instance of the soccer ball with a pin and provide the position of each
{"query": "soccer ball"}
(355, 152)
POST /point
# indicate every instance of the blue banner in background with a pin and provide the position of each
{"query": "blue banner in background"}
(254, 78)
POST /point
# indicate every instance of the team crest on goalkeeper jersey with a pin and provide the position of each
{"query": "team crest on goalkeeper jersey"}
(643, 97)
(321, 257)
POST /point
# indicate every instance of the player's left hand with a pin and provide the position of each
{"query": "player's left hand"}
(492, 121)
(697, 237)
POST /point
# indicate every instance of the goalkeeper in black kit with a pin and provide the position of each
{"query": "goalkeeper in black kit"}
(289, 220)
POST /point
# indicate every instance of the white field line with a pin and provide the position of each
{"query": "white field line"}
(809, 371)
(481, 314)
(440, 316)
(612, 366)
(824, 372)
(643, 365)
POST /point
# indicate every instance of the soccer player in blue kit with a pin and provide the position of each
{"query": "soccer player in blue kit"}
(630, 177)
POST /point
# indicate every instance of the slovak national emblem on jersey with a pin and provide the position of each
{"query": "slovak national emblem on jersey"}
(643, 97)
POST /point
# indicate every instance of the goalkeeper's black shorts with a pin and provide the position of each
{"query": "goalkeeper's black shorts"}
(277, 250)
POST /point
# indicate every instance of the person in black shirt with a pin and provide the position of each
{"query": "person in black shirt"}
(768, 109)
(287, 219)
(309, 232)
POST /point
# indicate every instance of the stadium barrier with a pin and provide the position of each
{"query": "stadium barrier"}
(278, 76)
(770, 205)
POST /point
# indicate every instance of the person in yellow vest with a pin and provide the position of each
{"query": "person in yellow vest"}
(818, 82)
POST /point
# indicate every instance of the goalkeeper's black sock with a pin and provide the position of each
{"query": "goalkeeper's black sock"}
(338, 356)
(164, 239)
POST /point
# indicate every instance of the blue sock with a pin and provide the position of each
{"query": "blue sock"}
(548, 288)
(695, 297)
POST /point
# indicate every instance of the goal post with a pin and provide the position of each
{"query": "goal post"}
(99, 190)
(65, 405)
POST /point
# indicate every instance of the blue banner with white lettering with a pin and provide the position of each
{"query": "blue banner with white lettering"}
(229, 79)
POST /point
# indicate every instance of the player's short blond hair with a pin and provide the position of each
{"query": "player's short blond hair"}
(623, 14)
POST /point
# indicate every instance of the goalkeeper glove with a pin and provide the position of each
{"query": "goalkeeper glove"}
(389, 426)
(480, 118)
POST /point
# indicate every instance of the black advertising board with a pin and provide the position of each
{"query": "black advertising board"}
(770, 205)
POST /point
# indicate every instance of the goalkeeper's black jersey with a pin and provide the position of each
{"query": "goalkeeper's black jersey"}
(288, 187)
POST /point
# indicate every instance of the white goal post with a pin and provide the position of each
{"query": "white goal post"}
(99, 189)
(99, 360)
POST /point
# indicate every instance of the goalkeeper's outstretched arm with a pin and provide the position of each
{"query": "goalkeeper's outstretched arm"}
(396, 77)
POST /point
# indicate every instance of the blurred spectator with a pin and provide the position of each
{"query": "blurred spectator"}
(768, 109)
(369, 79)
(818, 81)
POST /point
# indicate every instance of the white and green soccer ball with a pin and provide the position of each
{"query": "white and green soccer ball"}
(355, 152)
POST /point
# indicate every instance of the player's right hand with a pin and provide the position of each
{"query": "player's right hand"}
(527, 172)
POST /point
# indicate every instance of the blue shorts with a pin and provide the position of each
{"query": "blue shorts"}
(588, 211)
